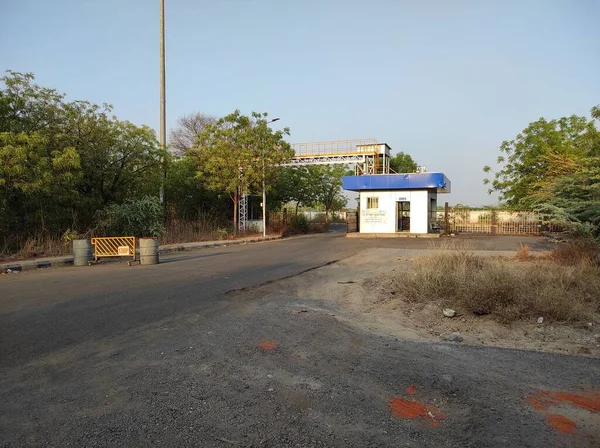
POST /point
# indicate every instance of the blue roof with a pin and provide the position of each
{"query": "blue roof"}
(403, 181)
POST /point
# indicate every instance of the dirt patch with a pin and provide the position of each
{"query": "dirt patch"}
(356, 290)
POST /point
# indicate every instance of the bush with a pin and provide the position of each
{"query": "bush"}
(222, 233)
(506, 289)
(141, 218)
(299, 224)
(319, 217)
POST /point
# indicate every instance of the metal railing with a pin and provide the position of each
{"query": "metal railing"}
(333, 147)
(497, 222)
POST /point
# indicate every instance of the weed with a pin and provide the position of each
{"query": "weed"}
(502, 288)
(523, 252)
(576, 252)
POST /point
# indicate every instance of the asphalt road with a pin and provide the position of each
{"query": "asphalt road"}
(192, 352)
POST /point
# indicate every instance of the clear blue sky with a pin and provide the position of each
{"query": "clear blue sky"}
(446, 81)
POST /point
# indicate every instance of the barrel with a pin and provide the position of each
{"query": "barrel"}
(148, 251)
(83, 252)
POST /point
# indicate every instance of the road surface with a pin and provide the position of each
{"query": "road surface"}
(194, 352)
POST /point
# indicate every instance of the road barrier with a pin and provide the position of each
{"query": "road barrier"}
(120, 246)
(83, 252)
(148, 251)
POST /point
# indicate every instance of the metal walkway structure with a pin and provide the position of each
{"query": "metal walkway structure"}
(367, 155)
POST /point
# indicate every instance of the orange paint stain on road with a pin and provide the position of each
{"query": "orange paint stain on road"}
(411, 409)
(411, 390)
(268, 346)
(542, 400)
(545, 399)
(561, 423)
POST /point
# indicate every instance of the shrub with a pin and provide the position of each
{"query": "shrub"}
(142, 218)
(503, 288)
(222, 233)
(319, 217)
(299, 224)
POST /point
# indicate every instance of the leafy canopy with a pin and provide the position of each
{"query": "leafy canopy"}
(237, 152)
(553, 167)
(403, 163)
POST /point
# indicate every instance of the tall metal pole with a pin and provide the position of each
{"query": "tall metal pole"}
(163, 121)
(264, 203)
(264, 188)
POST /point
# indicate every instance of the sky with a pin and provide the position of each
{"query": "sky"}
(443, 80)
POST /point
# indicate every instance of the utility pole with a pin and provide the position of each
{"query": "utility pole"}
(264, 189)
(163, 121)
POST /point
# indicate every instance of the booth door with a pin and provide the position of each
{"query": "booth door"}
(403, 214)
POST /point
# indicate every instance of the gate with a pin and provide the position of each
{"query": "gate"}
(351, 222)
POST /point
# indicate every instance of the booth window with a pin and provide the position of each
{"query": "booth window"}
(372, 202)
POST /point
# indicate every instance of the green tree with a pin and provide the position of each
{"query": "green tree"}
(62, 161)
(542, 152)
(35, 184)
(295, 184)
(553, 167)
(403, 163)
(189, 198)
(326, 181)
(237, 153)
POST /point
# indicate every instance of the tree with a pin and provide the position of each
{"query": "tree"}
(189, 198)
(183, 137)
(237, 152)
(34, 183)
(61, 162)
(338, 204)
(326, 181)
(295, 184)
(542, 152)
(28, 107)
(553, 167)
(403, 163)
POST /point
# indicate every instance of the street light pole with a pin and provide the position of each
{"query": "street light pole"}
(163, 124)
(264, 189)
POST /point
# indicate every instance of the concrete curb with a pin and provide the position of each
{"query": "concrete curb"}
(171, 248)
(392, 235)
(41, 263)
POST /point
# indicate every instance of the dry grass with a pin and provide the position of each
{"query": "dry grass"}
(189, 232)
(45, 245)
(523, 253)
(575, 252)
(503, 288)
(42, 245)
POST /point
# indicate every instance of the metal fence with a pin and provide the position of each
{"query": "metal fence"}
(495, 222)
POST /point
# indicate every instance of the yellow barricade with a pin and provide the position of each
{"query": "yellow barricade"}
(118, 246)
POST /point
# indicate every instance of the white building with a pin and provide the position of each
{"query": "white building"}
(397, 203)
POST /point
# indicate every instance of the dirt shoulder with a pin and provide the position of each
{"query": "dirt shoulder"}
(357, 291)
